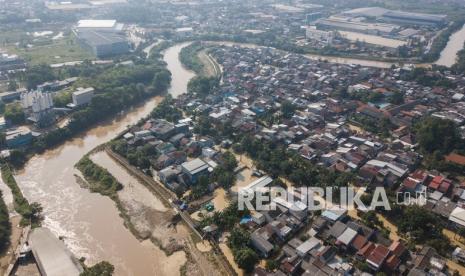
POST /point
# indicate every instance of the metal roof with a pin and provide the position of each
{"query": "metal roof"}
(52, 256)
(96, 23)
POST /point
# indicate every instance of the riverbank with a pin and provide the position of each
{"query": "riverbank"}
(90, 224)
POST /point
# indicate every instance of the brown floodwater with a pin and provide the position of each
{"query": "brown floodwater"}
(90, 223)
(449, 54)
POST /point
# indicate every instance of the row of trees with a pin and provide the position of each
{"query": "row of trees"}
(5, 225)
(31, 213)
(441, 41)
(459, 66)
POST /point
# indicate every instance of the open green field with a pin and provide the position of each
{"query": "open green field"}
(52, 51)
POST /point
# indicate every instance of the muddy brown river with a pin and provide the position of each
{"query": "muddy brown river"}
(90, 223)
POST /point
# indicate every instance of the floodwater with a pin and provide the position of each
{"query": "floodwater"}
(449, 54)
(90, 223)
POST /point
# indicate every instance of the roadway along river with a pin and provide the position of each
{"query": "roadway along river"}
(90, 223)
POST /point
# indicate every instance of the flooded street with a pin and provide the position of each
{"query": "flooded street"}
(455, 44)
(90, 223)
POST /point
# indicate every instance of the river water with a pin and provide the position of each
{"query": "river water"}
(455, 44)
(90, 223)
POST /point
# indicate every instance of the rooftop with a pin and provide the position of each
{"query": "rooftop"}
(52, 256)
(96, 23)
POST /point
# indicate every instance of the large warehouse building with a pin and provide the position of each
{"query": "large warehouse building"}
(104, 37)
(399, 17)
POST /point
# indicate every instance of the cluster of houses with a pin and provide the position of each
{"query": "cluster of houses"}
(181, 158)
(331, 243)
(256, 85)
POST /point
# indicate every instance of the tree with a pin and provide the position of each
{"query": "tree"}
(271, 265)
(396, 98)
(103, 268)
(14, 113)
(12, 86)
(239, 238)
(246, 259)
(435, 134)
(288, 109)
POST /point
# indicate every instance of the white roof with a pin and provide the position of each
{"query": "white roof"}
(308, 245)
(458, 216)
(347, 236)
(96, 23)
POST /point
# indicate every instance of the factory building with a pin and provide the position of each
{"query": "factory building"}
(398, 17)
(410, 18)
(103, 37)
(312, 33)
(18, 137)
(345, 24)
(82, 96)
(11, 63)
(39, 108)
(311, 17)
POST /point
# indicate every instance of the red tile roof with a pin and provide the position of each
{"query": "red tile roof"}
(366, 250)
(378, 255)
(456, 158)
(397, 248)
(392, 262)
(359, 242)
(410, 183)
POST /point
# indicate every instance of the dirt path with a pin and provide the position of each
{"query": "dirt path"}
(15, 238)
(210, 67)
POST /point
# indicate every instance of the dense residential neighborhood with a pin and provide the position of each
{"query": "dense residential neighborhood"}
(207, 137)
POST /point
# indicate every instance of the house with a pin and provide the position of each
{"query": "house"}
(263, 246)
(194, 169)
(258, 218)
(459, 255)
(308, 245)
(346, 237)
(334, 214)
(377, 257)
(457, 217)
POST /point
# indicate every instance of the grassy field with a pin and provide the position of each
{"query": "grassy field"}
(54, 51)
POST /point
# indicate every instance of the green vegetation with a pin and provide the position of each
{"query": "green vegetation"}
(14, 113)
(202, 86)
(52, 51)
(278, 162)
(62, 99)
(38, 74)
(245, 257)
(435, 134)
(225, 219)
(31, 213)
(441, 41)
(5, 225)
(421, 226)
(103, 268)
(459, 66)
(189, 57)
(166, 110)
(99, 179)
(117, 88)
(427, 78)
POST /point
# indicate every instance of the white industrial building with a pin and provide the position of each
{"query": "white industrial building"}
(322, 36)
(39, 107)
(82, 96)
(103, 37)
